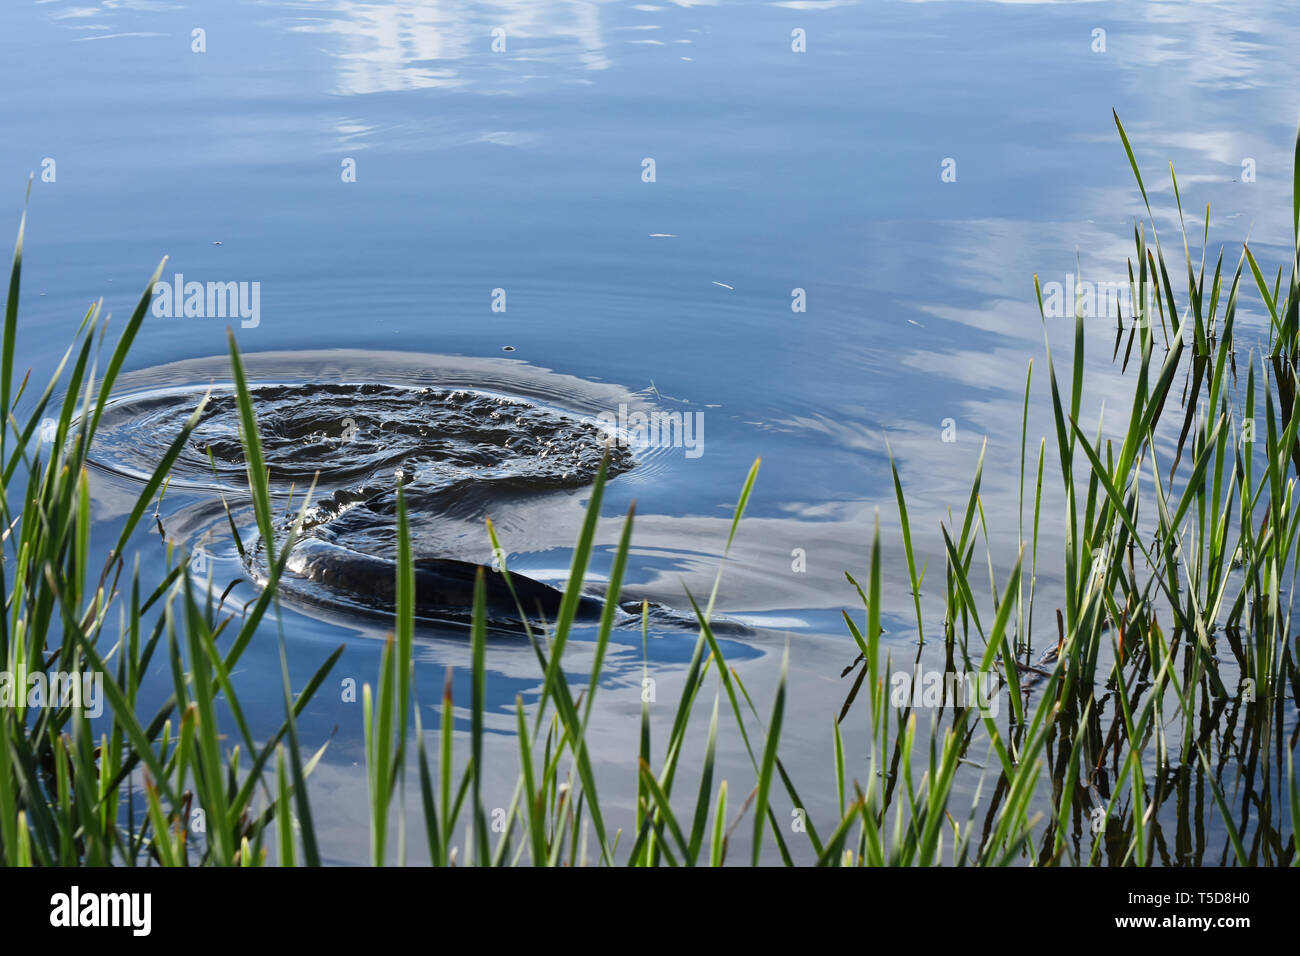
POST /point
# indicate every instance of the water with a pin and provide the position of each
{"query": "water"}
(517, 179)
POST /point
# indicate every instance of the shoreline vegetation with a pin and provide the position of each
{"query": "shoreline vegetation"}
(1157, 729)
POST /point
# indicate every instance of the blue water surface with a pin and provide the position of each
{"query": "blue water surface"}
(901, 170)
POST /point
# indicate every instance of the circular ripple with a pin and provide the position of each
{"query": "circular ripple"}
(454, 449)
(342, 434)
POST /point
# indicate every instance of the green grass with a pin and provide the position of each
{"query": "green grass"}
(1130, 743)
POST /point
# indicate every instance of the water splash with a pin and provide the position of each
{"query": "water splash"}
(463, 437)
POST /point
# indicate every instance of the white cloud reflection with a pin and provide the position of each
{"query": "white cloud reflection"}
(409, 44)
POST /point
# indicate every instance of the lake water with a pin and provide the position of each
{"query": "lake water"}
(812, 226)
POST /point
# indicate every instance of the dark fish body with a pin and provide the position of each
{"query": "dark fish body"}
(444, 587)
(444, 592)
(456, 453)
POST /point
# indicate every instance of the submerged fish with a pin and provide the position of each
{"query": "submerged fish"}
(456, 453)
